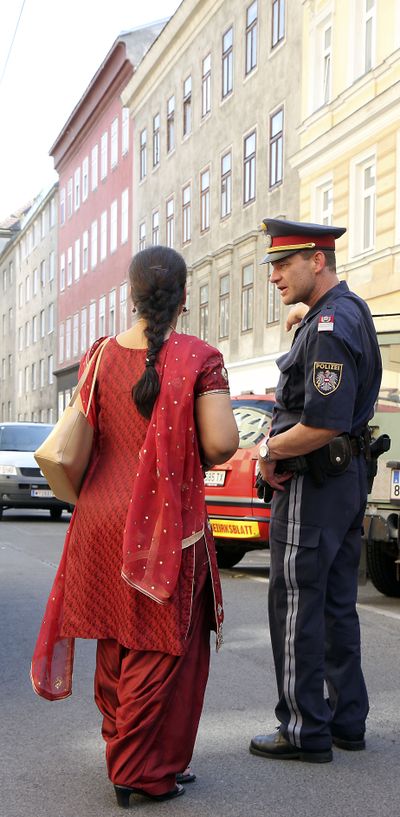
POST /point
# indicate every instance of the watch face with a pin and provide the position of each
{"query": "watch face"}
(263, 451)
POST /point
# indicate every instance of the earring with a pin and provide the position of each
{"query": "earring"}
(134, 309)
(185, 309)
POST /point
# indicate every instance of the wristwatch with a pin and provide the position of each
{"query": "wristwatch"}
(264, 452)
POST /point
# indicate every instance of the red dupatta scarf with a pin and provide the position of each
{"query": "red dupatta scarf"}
(166, 511)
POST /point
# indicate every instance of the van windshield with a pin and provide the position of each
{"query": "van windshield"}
(23, 438)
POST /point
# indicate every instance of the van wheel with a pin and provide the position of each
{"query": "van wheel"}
(229, 555)
(382, 569)
(55, 513)
(1, 511)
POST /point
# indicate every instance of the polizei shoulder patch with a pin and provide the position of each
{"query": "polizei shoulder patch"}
(327, 377)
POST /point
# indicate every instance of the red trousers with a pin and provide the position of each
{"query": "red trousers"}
(151, 702)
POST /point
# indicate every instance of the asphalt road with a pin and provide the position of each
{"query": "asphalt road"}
(52, 756)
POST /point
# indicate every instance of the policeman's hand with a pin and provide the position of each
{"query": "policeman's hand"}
(295, 315)
(268, 473)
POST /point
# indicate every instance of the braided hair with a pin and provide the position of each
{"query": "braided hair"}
(158, 277)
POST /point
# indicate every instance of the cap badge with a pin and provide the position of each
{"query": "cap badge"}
(268, 241)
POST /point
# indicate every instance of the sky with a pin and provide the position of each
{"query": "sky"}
(57, 49)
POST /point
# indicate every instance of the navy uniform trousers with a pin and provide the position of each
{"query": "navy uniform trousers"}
(315, 542)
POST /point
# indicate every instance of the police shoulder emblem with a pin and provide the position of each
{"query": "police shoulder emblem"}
(327, 377)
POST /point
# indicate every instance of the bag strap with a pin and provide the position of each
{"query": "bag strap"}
(95, 357)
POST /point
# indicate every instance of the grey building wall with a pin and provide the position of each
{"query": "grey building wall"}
(233, 242)
(7, 331)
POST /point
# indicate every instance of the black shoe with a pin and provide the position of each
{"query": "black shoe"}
(123, 794)
(185, 777)
(355, 743)
(276, 747)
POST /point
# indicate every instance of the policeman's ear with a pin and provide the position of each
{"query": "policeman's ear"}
(319, 261)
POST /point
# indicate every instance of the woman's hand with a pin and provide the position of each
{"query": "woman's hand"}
(295, 315)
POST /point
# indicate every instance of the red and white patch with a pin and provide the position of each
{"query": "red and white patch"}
(326, 323)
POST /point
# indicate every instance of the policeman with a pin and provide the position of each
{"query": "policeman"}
(315, 461)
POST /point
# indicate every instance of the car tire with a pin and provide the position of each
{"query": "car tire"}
(55, 513)
(1, 511)
(382, 570)
(228, 555)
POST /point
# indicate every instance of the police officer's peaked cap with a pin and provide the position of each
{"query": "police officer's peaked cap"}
(285, 238)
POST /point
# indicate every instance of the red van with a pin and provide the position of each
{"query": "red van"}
(240, 521)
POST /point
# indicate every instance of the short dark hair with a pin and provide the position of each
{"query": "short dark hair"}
(330, 257)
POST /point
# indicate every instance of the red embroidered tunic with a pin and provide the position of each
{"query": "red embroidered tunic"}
(98, 603)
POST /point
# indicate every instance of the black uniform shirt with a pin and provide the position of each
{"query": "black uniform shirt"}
(331, 376)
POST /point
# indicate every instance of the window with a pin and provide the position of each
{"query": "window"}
(61, 343)
(10, 321)
(62, 272)
(85, 251)
(123, 294)
(327, 58)
(369, 26)
(43, 223)
(104, 155)
(35, 281)
(77, 188)
(43, 273)
(68, 339)
(26, 379)
(206, 86)
(11, 272)
(249, 168)
(103, 235)
(95, 167)
(34, 329)
(204, 312)
(366, 204)
(19, 384)
(251, 37)
(27, 288)
(156, 140)
(204, 201)
(155, 227)
(52, 217)
(227, 63)
(102, 316)
(185, 316)
(69, 266)
(114, 142)
(42, 323)
(50, 367)
(52, 265)
(278, 21)
(170, 124)
(111, 313)
(113, 226)
(62, 206)
(83, 329)
(247, 297)
(34, 234)
(85, 178)
(20, 338)
(77, 269)
(125, 131)
(41, 373)
(187, 106)
(20, 295)
(276, 148)
(143, 154)
(324, 203)
(224, 287)
(50, 318)
(92, 323)
(273, 303)
(170, 222)
(93, 244)
(142, 235)
(186, 214)
(34, 376)
(124, 216)
(75, 335)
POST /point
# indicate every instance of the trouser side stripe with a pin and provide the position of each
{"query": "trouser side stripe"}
(292, 594)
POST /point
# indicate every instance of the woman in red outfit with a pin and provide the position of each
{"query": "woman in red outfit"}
(138, 571)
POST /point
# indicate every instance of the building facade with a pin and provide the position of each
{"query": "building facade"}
(34, 339)
(7, 326)
(93, 156)
(215, 105)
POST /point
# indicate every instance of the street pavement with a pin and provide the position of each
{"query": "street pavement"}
(52, 753)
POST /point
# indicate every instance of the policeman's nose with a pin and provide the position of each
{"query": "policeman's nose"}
(274, 275)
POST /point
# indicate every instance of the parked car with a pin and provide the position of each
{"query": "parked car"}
(22, 484)
(240, 521)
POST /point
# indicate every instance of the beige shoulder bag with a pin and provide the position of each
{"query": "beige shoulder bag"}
(64, 455)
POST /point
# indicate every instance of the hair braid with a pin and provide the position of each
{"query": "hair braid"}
(158, 277)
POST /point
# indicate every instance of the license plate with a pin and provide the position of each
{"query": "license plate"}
(214, 478)
(42, 492)
(395, 484)
(229, 529)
